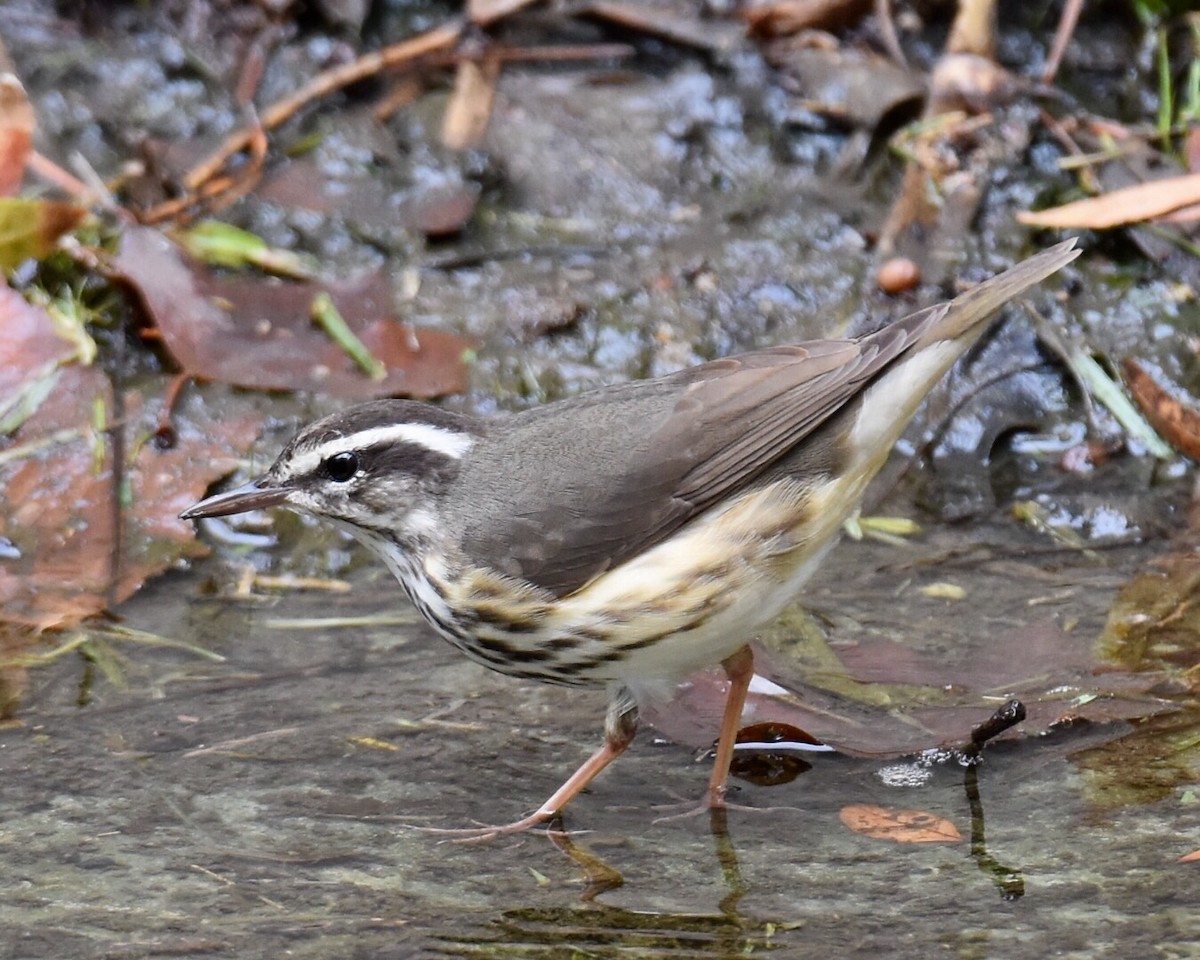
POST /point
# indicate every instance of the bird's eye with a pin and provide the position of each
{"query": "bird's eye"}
(341, 466)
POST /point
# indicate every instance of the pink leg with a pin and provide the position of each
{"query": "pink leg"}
(739, 667)
(619, 728)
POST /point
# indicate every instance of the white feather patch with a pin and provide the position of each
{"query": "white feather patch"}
(892, 400)
(448, 443)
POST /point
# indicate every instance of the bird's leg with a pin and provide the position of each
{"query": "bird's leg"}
(739, 668)
(620, 725)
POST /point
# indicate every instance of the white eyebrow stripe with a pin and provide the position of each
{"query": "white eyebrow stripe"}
(448, 443)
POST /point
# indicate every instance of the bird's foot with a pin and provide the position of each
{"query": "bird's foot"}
(713, 801)
(483, 833)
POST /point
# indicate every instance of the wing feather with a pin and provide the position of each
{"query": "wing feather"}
(708, 432)
(559, 494)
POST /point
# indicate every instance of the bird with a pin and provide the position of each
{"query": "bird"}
(628, 536)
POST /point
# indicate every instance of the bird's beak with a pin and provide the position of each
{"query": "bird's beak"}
(255, 495)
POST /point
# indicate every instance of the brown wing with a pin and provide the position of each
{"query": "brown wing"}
(561, 493)
(564, 492)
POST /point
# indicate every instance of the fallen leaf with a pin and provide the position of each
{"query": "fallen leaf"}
(775, 734)
(853, 696)
(1157, 759)
(258, 333)
(64, 517)
(1119, 207)
(470, 108)
(853, 86)
(1154, 621)
(65, 525)
(437, 208)
(483, 12)
(1193, 857)
(902, 826)
(1178, 424)
(28, 343)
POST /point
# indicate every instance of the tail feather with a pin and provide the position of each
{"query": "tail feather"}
(941, 335)
(980, 302)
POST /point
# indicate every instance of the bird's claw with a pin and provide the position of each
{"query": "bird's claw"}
(483, 832)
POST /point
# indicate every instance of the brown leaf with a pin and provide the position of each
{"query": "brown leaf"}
(1193, 857)
(852, 85)
(850, 698)
(28, 344)
(1179, 425)
(1128, 205)
(470, 108)
(16, 133)
(61, 518)
(483, 12)
(781, 17)
(771, 733)
(902, 826)
(257, 333)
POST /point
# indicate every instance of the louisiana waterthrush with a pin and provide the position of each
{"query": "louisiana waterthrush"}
(634, 534)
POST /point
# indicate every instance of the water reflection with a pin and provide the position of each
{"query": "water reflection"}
(594, 929)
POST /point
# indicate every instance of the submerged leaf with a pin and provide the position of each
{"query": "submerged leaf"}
(901, 826)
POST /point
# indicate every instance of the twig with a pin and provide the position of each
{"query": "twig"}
(338, 78)
(887, 28)
(1062, 36)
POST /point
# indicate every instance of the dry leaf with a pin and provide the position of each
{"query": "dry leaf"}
(902, 826)
(483, 12)
(257, 333)
(1177, 424)
(1129, 205)
(1193, 857)
(59, 518)
(470, 108)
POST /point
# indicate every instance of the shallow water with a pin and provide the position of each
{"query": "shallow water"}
(267, 806)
